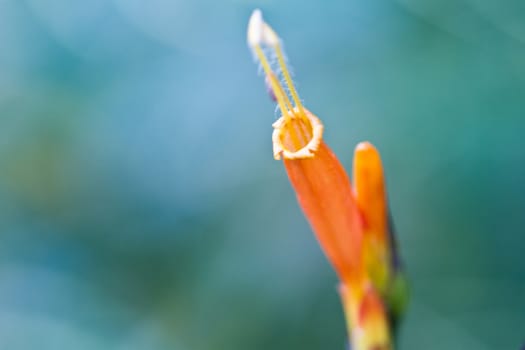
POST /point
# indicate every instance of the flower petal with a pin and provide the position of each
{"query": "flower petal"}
(324, 193)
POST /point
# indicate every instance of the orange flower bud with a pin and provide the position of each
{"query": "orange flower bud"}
(370, 193)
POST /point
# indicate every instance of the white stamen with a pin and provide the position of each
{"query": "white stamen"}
(255, 28)
(259, 32)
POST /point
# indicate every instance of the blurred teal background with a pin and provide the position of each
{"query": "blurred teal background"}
(141, 208)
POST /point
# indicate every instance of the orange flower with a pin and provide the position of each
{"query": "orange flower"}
(325, 195)
(338, 217)
(320, 181)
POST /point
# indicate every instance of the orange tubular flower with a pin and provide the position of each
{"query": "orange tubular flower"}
(326, 196)
(324, 193)
(320, 181)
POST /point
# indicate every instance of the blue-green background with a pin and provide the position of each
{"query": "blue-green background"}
(141, 208)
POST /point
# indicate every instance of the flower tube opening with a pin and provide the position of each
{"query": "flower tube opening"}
(296, 137)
